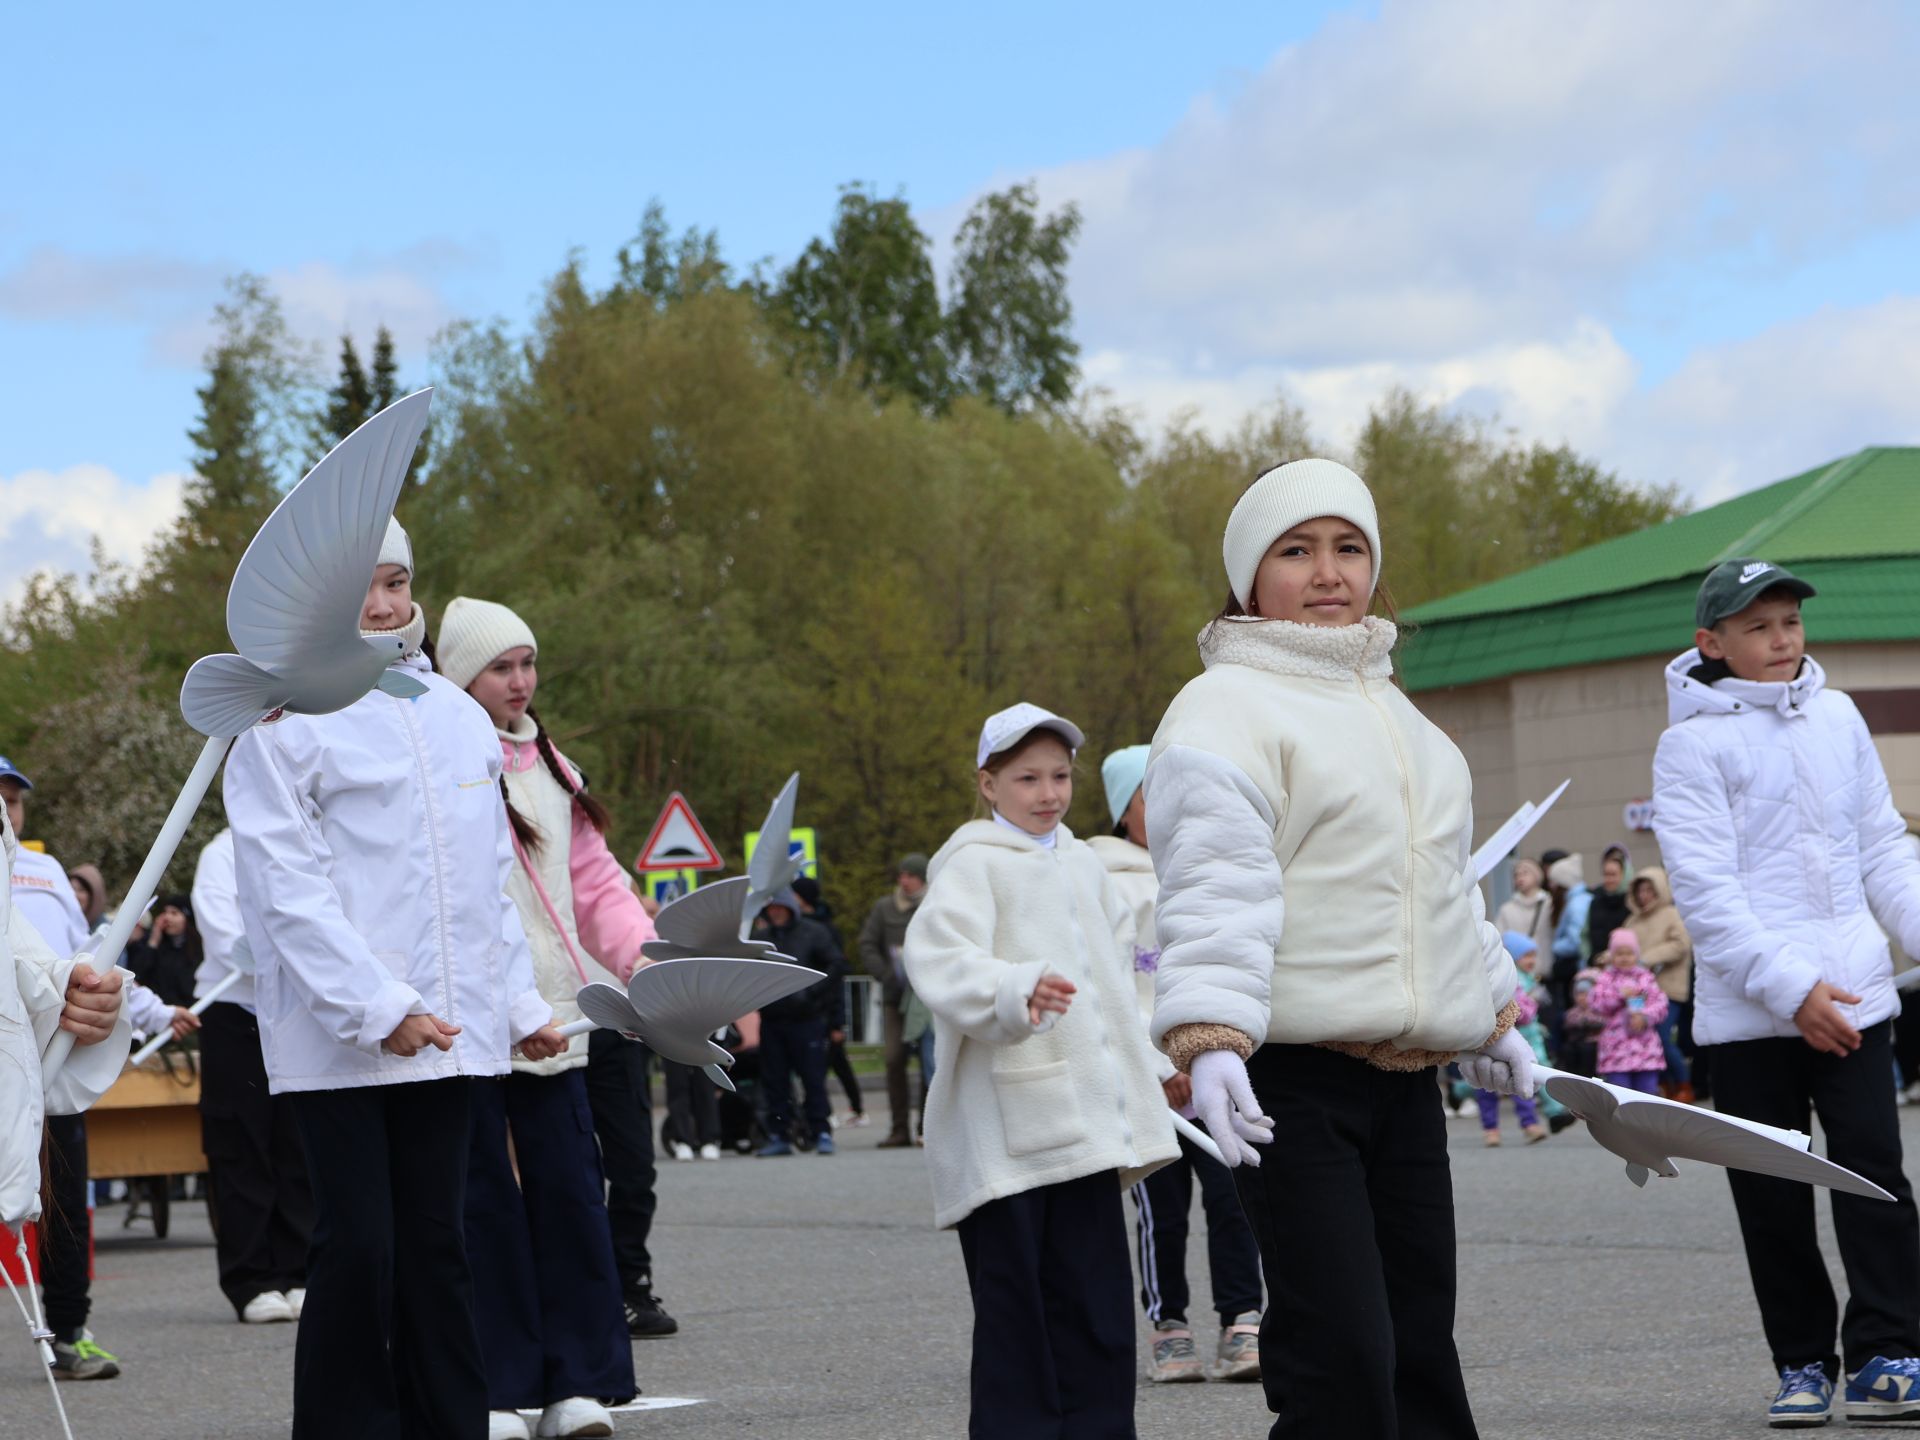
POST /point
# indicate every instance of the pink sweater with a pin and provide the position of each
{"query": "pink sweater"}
(608, 916)
(1620, 1048)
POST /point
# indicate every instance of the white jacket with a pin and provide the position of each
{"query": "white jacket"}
(1130, 871)
(216, 913)
(1783, 847)
(373, 854)
(1014, 1107)
(44, 897)
(33, 988)
(1312, 832)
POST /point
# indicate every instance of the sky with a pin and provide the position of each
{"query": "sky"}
(1680, 238)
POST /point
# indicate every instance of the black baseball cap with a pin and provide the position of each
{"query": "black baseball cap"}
(1733, 585)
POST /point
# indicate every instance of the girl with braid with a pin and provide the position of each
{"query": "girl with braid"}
(553, 1326)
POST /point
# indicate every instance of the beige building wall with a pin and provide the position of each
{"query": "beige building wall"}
(1599, 724)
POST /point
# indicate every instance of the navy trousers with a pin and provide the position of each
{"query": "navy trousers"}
(620, 1092)
(1164, 1200)
(546, 1292)
(1052, 1320)
(787, 1046)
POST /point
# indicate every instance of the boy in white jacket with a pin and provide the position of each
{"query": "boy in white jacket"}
(1162, 1200)
(1784, 850)
(1045, 1103)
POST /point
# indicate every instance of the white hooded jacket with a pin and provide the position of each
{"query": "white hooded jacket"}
(1015, 1106)
(33, 987)
(1783, 847)
(372, 854)
(1130, 870)
(1296, 758)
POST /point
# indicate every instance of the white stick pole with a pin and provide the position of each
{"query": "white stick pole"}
(576, 1027)
(148, 880)
(152, 1047)
(1198, 1136)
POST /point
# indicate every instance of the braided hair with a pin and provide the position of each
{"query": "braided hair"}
(588, 805)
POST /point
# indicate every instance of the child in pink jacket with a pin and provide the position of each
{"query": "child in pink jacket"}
(1632, 1003)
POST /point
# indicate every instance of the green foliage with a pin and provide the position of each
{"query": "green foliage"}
(350, 402)
(813, 523)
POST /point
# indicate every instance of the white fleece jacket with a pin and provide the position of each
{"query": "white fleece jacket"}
(1130, 870)
(1014, 1106)
(1312, 832)
(1783, 848)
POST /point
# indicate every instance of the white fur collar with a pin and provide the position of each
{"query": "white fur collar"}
(1315, 652)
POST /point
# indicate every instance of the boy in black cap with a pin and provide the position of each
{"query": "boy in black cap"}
(1788, 860)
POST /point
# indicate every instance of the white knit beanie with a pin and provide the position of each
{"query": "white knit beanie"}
(1288, 496)
(396, 548)
(475, 633)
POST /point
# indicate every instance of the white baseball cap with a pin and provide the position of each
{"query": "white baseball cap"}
(1010, 726)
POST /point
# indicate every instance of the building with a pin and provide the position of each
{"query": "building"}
(1557, 672)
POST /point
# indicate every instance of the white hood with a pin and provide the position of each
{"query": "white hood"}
(1687, 697)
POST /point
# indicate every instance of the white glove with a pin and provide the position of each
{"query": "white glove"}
(1223, 1098)
(1504, 1067)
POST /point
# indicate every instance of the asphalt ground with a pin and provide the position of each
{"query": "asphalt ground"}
(817, 1302)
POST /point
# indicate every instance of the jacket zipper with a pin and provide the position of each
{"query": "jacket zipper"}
(439, 875)
(1406, 897)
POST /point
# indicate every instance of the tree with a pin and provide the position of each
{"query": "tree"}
(352, 399)
(1008, 317)
(863, 304)
(664, 270)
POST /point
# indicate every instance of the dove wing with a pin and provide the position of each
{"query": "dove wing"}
(607, 1006)
(682, 1002)
(772, 869)
(707, 920)
(224, 695)
(301, 583)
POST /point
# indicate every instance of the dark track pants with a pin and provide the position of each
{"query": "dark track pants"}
(1785, 1082)
(64, 1229)
(787, 1046)
(1356, 1237)
(1053, 1351)
(620, 1095)
(1162, 1202)
(256, 1166)
(546, 1290)
(387, 1348)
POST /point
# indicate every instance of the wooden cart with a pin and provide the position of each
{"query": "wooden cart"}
(148, 1125)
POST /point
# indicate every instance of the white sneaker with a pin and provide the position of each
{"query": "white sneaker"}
(297, 1300)
(578, 1416)
(709, 1151)
(506, 1425)
(266, 1308)
(682, 1151)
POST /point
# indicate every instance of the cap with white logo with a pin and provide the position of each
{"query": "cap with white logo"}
(1733, 585)
(1010, 726)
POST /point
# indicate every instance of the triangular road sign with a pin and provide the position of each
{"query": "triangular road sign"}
(678, 842)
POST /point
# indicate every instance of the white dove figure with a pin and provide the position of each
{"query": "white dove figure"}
(773, 867)
(1648, 1132)
(293, 611)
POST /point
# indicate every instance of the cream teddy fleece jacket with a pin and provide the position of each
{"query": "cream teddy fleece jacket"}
(1015, 1106)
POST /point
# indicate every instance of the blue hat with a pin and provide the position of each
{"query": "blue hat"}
(1122, 773)
(8, 772)
(1518, 944)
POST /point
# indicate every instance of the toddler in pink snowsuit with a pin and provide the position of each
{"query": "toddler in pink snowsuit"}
(1632, 1003)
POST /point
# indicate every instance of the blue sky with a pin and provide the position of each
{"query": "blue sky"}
(1679, 237)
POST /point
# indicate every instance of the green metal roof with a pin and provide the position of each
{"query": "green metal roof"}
(1852, 528)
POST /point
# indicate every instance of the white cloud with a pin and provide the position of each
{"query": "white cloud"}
(49, 519)
(1471, 201)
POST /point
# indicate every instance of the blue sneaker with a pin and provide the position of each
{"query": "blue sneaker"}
(774, 1148)
(824, 1145)
(1805, 1399)
(1884, 1391)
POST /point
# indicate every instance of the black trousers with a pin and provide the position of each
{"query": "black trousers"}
(64, 1228)
(546, 1293)
(620, 1096)
(387, 1348)
(1052, 1320)
(256, 1167)
(693, 1105)
(1354, 1215)
(842, 1068)
(787, 1046)
(1162, 1202)
(1784, 1082)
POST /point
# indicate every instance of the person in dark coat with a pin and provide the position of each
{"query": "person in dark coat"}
(881, 941)
(164, 962)
(814, 906)
(794, 1031)
(1612, 905)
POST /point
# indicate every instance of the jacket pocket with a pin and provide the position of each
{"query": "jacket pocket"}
(1038, 1108)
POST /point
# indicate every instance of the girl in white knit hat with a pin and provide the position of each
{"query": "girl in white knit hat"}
(550, 1309)
(1323, 947)
(1044, 1104)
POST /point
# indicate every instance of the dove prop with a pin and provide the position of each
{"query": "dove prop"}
(1501, 843)
(293, 612)
(1649, 1133)
(773, 868)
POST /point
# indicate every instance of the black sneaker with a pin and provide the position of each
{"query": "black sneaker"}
(646, 1318)
(78, 1358)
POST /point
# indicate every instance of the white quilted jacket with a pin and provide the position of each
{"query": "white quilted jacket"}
(1783, 847)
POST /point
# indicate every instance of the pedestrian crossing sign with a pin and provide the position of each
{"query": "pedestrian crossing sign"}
(800, 845)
